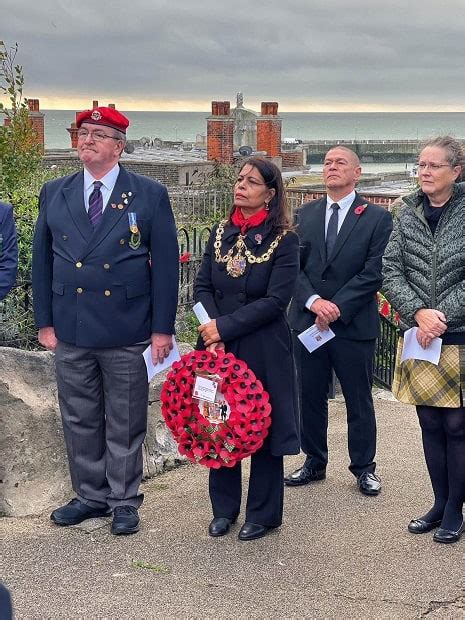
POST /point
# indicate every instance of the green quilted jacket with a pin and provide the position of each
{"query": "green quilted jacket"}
(425, 271)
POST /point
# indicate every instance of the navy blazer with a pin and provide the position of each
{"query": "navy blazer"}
(8, 249)
(91, 285)
(351, 276)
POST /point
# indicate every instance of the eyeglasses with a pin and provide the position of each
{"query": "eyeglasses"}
(422, 166)
(97, 136)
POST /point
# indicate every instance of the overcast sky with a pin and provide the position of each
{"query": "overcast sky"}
(309, 55)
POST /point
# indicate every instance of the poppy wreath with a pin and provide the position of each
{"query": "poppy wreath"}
(200, 440)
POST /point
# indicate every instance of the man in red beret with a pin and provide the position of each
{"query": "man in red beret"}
(105, 284)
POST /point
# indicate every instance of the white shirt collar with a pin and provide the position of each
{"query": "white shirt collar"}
(108, 181)
(344, 203)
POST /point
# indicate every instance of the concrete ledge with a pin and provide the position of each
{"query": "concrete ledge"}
(34, 472)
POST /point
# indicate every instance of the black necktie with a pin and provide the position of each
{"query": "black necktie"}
(331, 233)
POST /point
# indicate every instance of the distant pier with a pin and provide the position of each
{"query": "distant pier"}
(369, 151)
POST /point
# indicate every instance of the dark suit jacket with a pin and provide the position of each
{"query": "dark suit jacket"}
(351, 276)
(91, 286)
(8, 249)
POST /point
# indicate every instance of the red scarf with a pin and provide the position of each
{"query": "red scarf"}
(244, 223)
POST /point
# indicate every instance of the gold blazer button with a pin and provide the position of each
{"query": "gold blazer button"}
(107, 293)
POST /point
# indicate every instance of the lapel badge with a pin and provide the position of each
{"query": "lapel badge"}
(123, 195)
(134, 241)
(129, 194)
(258, 238)
(126, 201)
(120, 206)
(360, 209)
(113, 206)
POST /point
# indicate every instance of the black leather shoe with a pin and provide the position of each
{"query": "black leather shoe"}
(448, 536)
(125, 520)
(220, 526)
(369, 484)
(76, 512)
(251, 531)
(420, 526)
(304, 475)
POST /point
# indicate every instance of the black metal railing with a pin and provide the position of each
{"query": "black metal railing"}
(191, 246)
(17, 323)
(385, 352)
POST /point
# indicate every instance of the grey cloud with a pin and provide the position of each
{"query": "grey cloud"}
(319, 51)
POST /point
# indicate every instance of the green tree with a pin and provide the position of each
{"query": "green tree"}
(20, 155)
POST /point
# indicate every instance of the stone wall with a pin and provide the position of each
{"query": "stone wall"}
(33, 463)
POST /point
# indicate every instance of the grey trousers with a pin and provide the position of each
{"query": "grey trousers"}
(103, 396)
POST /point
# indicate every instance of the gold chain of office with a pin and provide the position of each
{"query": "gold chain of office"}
(239, 255)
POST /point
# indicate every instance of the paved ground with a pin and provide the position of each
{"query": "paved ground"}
(338, 555)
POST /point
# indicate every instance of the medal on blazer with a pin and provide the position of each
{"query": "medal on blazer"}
(134, 241)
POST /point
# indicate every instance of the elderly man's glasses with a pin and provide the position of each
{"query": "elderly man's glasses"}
(98, 136)
(423, 166)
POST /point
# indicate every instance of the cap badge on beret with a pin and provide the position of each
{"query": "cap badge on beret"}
(103, 115)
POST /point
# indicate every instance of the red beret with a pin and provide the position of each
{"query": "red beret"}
(109, 117)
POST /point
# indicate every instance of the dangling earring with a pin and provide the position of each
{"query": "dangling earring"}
(267, 208)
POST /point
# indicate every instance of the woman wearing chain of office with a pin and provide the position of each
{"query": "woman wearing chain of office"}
(424, 279)
(245, 282)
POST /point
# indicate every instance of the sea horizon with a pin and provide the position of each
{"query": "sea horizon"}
(186, 126)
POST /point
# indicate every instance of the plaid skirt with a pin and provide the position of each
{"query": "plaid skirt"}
(418, 382)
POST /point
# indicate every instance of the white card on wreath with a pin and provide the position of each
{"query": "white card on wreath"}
(205, 389)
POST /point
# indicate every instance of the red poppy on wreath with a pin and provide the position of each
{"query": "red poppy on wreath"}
(185, 257)
(360, 209)
(216, 441)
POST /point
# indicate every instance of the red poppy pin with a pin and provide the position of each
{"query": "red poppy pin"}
(185, 257)
(360, 209)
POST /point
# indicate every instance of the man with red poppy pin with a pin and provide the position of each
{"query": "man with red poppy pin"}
(342, 240)
(105, 282)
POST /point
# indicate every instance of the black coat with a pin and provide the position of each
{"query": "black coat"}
(250, 313)
(350, 276)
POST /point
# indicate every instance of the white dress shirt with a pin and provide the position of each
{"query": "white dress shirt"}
(108, 184)
(344, 206)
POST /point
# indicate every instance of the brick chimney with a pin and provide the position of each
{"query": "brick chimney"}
(269, 129)
(37, 121)
(220, 132)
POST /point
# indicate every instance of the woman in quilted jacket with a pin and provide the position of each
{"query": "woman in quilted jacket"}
(424, 279)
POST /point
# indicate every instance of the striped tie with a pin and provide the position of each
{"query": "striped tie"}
(95, 204)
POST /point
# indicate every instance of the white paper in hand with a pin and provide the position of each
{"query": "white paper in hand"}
(154, 369)
(201, 313)
(312, 338)
(413, 350)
